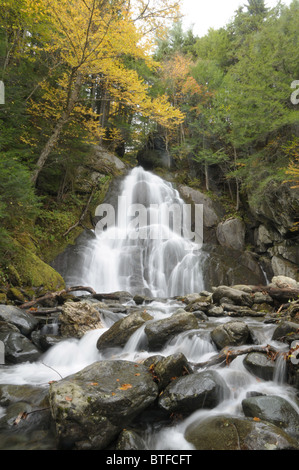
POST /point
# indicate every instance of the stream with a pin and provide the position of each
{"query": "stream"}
(161, 269)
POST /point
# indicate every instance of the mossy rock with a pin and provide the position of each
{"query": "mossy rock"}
(31, 271)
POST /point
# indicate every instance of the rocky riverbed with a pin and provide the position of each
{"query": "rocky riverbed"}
(210, 370)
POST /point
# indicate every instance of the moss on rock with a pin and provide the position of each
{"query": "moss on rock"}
(30, 271)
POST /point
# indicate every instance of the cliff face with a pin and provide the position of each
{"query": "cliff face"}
(257, 243)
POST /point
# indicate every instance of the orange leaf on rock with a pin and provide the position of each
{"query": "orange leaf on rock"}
(125, 387)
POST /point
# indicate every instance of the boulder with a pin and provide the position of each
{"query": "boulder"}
(233, 333)
(275, 410)
(77, 318)
(198, 390)
(18, 348)
(232, 433)
(260, 365)
(24, 321)
(159, 332)
(91, 408)
(231, 234)
(170, 368)
(121, 331)
(236, 296)
(284, 331)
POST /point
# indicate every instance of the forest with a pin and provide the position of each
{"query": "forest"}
(115, 73)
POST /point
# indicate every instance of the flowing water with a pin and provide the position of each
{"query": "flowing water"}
(161, 261)
(163, 269)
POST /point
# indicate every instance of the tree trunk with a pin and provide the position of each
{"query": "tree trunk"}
(73, 93)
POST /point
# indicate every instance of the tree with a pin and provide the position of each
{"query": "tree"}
(93, 38)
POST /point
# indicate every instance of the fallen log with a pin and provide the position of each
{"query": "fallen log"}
(54, 295)
(283, 294)
(227, 355)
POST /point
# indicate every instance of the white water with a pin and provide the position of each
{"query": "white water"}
(161, 262)
(163, 269)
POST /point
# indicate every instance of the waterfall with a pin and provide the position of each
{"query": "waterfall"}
(156, 257)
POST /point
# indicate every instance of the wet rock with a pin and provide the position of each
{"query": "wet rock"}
(230, 433)
(170, 368)
(93, 406)
(199, 390)
(24, 321)
(121, 331)
(215, 311)
(236, 296)
(77, 318)
(234, 333)
(44, 341)
(260, 364)
(130, 440)
(161, 331)
(284, 331)
(18, 348)
(33, 395)
(275, 410)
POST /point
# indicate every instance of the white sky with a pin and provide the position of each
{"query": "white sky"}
(205, 14)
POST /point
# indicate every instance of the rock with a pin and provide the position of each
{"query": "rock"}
(34, 395)
(24, 321)
(121, 331)
(285, 330)
(236, 296)
(189, 393)
(231, 234)
(215, 311)
(161, 331)
(44, 341)
(230, 433)
(234, 333)
(93, 406)
(77, 318)
(197, 306)
(284, 282)
(212, 211)
(18, 348)
(282, 267)
(130, 440)
(275, 410)
(260, 364)
(170, 368)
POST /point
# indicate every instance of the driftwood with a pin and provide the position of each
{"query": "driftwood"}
(283, 294)
(83, 214)
(54, 295)
(227, 355)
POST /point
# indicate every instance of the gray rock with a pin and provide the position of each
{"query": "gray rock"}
(159, 332)
(236, 296)
(24, 321)
(230, 433)
(121, 331)
(234, 333)
(170, 368)
(273, 409)
(284, 329)
(93, 406)
(260, 364)
(18, 348)
(231, 234)
(189, 393)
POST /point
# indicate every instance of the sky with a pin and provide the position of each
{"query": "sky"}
(204, 14)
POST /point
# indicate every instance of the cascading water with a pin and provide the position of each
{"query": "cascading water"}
(152, 259)
(161, 268)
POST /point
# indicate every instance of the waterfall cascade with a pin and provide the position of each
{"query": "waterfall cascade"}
(153, 258)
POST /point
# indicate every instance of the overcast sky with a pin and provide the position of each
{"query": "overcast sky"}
(205, 14)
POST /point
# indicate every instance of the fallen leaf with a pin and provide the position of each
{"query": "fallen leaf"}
(256, 419)
(137, 375)
(125, 387)
(113, 393)
(94, 383)
(68, 399)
